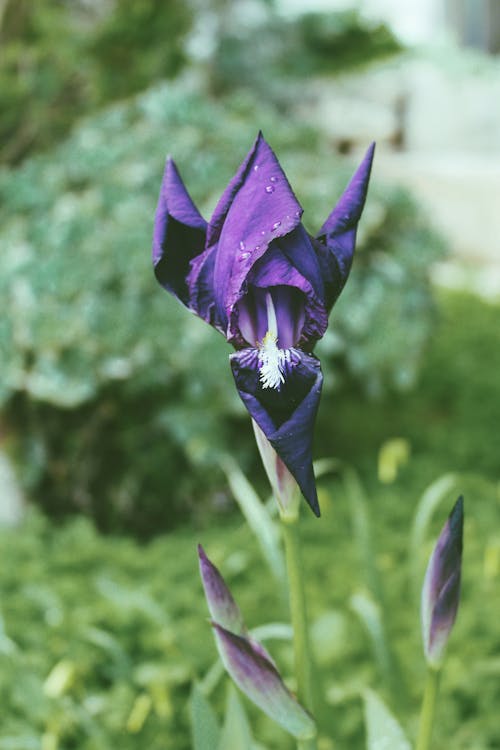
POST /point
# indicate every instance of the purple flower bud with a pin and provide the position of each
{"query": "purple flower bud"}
(221, 604)
(247, 661)
(441, 589)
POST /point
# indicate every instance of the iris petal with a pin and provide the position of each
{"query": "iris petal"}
(258, 207)
(287, 416)
(337, 237)
(179, 234)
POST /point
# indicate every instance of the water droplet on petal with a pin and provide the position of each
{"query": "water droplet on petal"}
(255, 167)
(273, 179)
(244, 256)
(276, 224)
(269, 189)
(263, 233)
(257, 247)
(297, 214)
(242, 245)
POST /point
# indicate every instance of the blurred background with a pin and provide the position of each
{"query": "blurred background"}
(117, 407)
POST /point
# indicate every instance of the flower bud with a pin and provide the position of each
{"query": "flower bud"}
(247, 661)
(441, 589)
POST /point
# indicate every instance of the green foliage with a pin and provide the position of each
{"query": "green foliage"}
(383, 730)
(101, 638)
(204, 725)
(110, 387)
(61, 60)
(322, 43)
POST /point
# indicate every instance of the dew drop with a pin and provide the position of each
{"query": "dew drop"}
(242, 245)
(273, 179)
(257, 247)
(276, 224)
(297, 214)
(256, 167)
(263, 233)
(269, 189)
(244, 256)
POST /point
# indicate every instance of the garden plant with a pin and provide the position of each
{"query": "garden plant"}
(257, 276)
(163, 584)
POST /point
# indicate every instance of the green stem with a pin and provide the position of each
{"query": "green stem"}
(428, 709)
(298, 611)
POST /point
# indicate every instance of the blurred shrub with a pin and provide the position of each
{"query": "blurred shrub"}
(62, 59)
(118, 400)
(260, 55)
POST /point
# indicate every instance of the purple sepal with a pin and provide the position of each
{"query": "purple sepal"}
(179, 234)
(286, 416)
(259, 679)
(337, 237)
(257, 207)
(441, 589)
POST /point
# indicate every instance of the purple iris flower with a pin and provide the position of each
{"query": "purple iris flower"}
(257, 276)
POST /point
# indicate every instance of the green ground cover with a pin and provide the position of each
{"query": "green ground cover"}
(101, 638)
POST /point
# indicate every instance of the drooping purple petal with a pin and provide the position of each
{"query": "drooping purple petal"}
(221, 604)
(441, 589)
(257, 208)
(179, 233)
(337, 237)
(259, 680)
(286, 416)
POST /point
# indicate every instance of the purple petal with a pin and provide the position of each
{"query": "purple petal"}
(221, 604)
(257, 207)
(259, 680)
(200, 283)
(287, 416)
(441, 589)
(179, 234)
(277, 270)
(337, 236)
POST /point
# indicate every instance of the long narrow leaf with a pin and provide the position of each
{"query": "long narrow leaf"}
(383, 731)
(236, 733)
(204, 725)
(257, 517)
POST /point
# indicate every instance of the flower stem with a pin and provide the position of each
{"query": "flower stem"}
(298, 611)
(428, 709)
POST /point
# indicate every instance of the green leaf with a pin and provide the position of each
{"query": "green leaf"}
(204, 726)
(236, 734)
(257, 517)
(383, 731)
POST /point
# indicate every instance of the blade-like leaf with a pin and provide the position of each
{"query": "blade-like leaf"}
(204, 726)
(383, 731)
(256, 516)
(236, 734)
